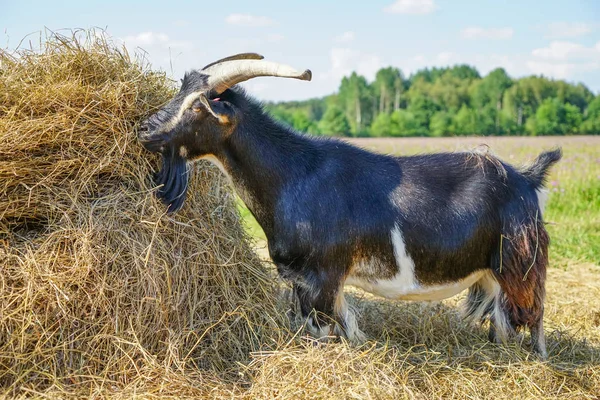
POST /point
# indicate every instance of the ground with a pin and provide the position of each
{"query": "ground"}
(425, 350)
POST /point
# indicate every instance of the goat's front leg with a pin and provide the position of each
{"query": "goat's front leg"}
(324, 307)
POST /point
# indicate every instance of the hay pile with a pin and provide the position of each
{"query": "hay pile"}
(99, 289)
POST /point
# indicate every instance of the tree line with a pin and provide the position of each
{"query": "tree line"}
(447, 101)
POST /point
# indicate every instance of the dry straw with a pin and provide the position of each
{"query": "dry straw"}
(97, 285)
(102, 295)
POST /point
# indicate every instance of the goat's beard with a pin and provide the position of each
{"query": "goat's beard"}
(172, 180)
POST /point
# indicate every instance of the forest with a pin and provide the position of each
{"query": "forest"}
(449, 101)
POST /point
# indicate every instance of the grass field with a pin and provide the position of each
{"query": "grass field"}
(425, 350)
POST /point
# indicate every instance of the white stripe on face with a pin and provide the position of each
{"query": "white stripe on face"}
(185, 104)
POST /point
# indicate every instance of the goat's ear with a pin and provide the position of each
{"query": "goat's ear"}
(202, 104)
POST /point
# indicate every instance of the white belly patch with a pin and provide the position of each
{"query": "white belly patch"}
(404, 285)
(396, 288)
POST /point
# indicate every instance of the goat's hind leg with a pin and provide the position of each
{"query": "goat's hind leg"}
(538, 339)
(484, 301)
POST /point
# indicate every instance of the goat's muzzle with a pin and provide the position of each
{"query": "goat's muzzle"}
(153, 143)
(151, 140)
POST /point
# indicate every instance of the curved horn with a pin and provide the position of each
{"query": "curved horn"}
(223, 76)
(241, 56)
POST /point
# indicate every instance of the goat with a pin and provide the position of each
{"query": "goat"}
(421, 227)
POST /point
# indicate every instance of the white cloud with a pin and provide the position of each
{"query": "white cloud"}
(148, 40)
(559, 30)
(561, 70)
(163, 52)
(476, 32)
(411, 7)
(561, 51)
(563, 59)
(345, 37)
(344, 61)
(559, 62)
(249, 20)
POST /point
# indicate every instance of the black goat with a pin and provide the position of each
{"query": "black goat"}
(422, 227)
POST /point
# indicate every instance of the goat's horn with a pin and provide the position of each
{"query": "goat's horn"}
(241, 56)
(223, 76)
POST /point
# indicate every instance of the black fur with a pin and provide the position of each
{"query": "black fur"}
(325, 205)
(538, 171)
(172, 180)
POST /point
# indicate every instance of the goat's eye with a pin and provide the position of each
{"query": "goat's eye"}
(197, 109)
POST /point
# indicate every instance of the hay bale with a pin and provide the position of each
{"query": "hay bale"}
(98, 287)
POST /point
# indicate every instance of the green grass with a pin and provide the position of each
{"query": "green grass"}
(573, 210)
(249, 222)
(573, 219)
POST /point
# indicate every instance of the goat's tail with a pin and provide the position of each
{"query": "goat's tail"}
(521, 272)
(538, 170)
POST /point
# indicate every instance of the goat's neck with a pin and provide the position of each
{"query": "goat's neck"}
(261, 162)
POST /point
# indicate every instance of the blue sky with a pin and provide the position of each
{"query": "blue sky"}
(560, 39)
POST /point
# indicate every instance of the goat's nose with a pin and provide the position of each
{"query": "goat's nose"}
(143, 128)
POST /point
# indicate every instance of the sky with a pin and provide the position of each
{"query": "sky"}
(558, 39)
